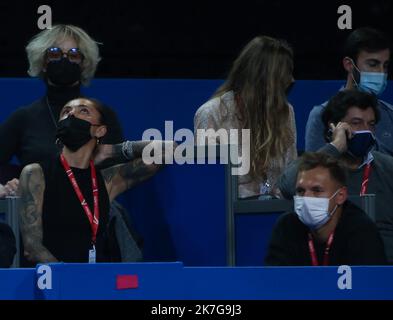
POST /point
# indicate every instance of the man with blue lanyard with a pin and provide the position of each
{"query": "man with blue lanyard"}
(349, 120)
(366, 62)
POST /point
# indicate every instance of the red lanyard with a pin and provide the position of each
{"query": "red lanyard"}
(366, 174)
(313, 254)
(93, 219)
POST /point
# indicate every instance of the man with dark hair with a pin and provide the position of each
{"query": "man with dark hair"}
(366, 57)
(325, 229)
(349, 119)
(338, 106)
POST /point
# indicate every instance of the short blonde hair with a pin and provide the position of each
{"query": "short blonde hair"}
(36, 50)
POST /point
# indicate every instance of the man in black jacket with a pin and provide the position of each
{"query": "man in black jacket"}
(325, 229)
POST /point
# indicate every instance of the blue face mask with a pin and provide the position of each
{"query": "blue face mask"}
(371, 82)
(361, 143)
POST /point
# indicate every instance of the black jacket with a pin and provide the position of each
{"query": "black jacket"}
(356, 241)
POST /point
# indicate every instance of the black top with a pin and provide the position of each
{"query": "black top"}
(356, 241)
(29, 133)
(7, 246)
(66, 228)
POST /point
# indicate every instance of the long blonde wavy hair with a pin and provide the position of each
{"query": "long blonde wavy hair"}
(259, 78)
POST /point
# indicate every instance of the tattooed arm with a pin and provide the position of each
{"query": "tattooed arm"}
(108, 155)
(31, 192)
(122, 177)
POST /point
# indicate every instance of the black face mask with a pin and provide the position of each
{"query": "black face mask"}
(73, 132)
(63, 72)
(361, 143)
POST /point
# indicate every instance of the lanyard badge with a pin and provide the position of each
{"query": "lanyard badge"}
(313, 254)
(92, 255)
(93, 218)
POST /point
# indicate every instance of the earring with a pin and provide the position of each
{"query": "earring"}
(58, 142)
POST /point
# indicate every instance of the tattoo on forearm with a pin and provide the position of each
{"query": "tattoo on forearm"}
(31, 193)
(136, 171)
(109, 173)
(121, 177)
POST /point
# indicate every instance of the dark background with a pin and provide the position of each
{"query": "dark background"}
(191, 39)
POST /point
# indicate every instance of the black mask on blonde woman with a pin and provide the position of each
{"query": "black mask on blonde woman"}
(63, 72)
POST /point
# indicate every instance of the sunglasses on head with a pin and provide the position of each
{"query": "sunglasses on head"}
(56, 54)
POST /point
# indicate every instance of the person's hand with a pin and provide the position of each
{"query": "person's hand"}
(9, 189)
(341, 133)
(103, 152)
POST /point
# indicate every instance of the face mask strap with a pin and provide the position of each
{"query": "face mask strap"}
(357, 69)
(334, 194)
(333, 211)
(354, 64)
(335, 208)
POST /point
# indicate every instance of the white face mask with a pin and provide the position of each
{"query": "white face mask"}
(312, 211)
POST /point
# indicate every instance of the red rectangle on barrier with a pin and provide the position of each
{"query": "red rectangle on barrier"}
(126, 282)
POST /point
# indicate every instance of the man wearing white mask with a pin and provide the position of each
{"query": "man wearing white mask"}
(366, 59)
(325, 229)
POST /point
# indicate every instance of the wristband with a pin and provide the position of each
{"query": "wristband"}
(127, 149)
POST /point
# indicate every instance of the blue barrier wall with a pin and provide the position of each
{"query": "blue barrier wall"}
(19, 284)
(172, 281)
(181, 215)
(180, 212)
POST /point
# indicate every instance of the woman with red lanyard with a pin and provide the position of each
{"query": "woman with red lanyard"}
(65, 200)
